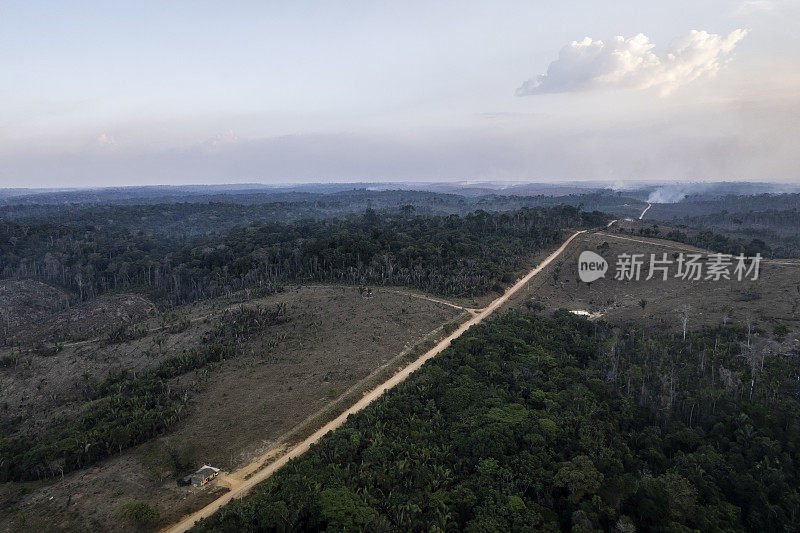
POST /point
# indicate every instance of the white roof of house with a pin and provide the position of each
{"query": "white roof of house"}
(207, 469)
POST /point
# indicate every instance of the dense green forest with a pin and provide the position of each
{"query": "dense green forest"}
(127, 408)
(206, 214)
(449, 255)
(551, 424)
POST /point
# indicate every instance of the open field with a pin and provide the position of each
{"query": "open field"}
(772, 299)
(333, 339)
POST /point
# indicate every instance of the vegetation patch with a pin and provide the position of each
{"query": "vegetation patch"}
(137, 514)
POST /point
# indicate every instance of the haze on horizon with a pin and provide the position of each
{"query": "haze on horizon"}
(189, 93)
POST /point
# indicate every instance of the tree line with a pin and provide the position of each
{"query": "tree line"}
(712, 240)
(779, 231)
(447, 255)
(694, 206)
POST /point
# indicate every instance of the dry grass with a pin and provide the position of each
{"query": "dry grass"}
(336, 345)
(774, 298)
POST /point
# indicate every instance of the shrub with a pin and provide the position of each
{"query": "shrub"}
(780, 330)
(138, 514)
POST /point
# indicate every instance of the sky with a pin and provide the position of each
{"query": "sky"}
(192, 92)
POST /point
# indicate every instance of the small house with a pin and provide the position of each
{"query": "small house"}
(202, 476)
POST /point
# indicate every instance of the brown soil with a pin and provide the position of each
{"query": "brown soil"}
(774, 298)
(333, 340)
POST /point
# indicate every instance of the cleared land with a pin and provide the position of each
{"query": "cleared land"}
(772, 299)
(32, 312)
(265, 399)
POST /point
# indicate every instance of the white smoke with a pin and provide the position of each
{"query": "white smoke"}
(632, 64)
(666, 195)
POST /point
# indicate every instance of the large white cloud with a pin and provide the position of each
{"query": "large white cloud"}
(633, 64)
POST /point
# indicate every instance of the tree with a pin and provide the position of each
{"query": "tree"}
(579, 476)
(726, 316)
(683, 312)
(749, 319)
(521, 424)
(682, 496)
(755, 353)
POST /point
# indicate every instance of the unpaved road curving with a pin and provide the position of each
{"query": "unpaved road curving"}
(241, 486)
(469, 310)
(645, 211)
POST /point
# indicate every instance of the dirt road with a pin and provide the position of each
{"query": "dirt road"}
(469, 310)
(240, 486)
(672, 245)
(645, 211)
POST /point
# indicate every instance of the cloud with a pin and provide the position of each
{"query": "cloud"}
(632, 64)
(747, 7)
